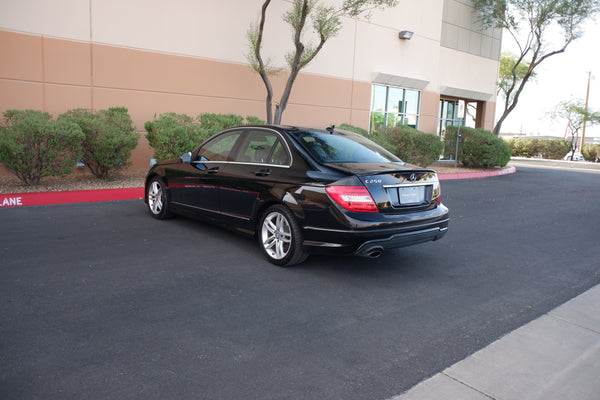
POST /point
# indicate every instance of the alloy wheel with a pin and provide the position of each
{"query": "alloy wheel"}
(155, 197)
(276, 235)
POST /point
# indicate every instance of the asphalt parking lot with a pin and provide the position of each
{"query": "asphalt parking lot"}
(98, 300)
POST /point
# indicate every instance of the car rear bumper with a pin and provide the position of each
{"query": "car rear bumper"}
(373, 241)
(374, 247)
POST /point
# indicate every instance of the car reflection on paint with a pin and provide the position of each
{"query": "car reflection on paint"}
(301, 191)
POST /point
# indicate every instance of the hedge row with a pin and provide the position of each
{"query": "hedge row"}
(173, 134)
(409, 144)
(477, 148)
(591, 152)
(34, 145)
(554, 149)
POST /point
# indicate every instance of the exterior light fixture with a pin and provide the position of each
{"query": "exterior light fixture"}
(406, 35)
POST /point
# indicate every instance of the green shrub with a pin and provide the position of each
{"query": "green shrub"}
(376, 137)
(109, 138)
(32, 145)
(591, 152)
(478, 148)
(412, 145)
(214, 123)
(524, 147)
(352, 128)
(172, 134)
(250, 120)
(554, 149)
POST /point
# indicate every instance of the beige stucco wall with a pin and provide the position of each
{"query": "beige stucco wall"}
(153, 56)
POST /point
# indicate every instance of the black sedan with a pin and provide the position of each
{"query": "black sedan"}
(302, 191)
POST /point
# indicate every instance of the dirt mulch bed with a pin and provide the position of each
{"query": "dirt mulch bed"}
(84, 180)
(79, 180)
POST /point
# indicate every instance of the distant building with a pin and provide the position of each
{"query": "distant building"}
(190, 57)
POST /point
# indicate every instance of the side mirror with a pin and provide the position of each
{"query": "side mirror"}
(186, 157)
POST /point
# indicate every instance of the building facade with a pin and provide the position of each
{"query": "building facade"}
(186, 56)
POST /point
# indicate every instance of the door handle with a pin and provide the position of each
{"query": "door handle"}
(213, 170)
(262, 172)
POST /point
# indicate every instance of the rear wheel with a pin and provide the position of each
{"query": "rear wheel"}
(158, 203)
(280, 237)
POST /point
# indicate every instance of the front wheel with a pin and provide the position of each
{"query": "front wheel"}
(156, 195)
(280, 237)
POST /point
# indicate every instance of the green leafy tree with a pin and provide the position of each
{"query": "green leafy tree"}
(326, 23)
(532, 23)
(32, 145)
(509, 65)
(574, 111)
(109, 138)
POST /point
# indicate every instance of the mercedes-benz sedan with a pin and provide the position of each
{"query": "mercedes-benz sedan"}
(302, 191)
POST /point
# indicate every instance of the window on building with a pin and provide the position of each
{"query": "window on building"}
(451, 114)
(455, 113)
(393, 106)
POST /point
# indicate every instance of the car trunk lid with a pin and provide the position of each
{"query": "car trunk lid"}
(396, 188)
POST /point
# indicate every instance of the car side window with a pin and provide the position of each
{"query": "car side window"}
(219, 148)
(280, 155)
(258, 146)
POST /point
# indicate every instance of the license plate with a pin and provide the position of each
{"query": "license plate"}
(411, 195)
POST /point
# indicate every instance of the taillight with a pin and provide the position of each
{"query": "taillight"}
(437, 194)
(353, 198)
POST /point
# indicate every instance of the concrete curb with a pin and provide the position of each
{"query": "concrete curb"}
(475, 175)
(87, 196)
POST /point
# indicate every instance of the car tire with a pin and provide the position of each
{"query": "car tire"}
(158, 199)
(280, 237)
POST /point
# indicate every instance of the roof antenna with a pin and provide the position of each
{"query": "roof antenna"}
(330, 128)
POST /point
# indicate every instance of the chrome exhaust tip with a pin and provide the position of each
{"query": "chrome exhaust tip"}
(372, 252)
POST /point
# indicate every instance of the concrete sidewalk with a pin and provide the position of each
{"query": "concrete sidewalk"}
(556, 356)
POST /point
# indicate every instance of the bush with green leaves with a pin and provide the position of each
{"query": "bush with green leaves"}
(109, 138)
(214, 123)
(553, 149)
(173, 134)
(376, 137)
(352, 128)
(523, 147)
(411, 145)
(250, 120)
(33, 145)
(478, 148)
(591, 152)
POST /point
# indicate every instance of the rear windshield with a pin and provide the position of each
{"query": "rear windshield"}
(342, 147)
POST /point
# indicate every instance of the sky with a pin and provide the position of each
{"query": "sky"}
(560, 77)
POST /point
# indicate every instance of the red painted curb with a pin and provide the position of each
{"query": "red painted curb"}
(87, 196)
(473, 175)
(78, 196)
